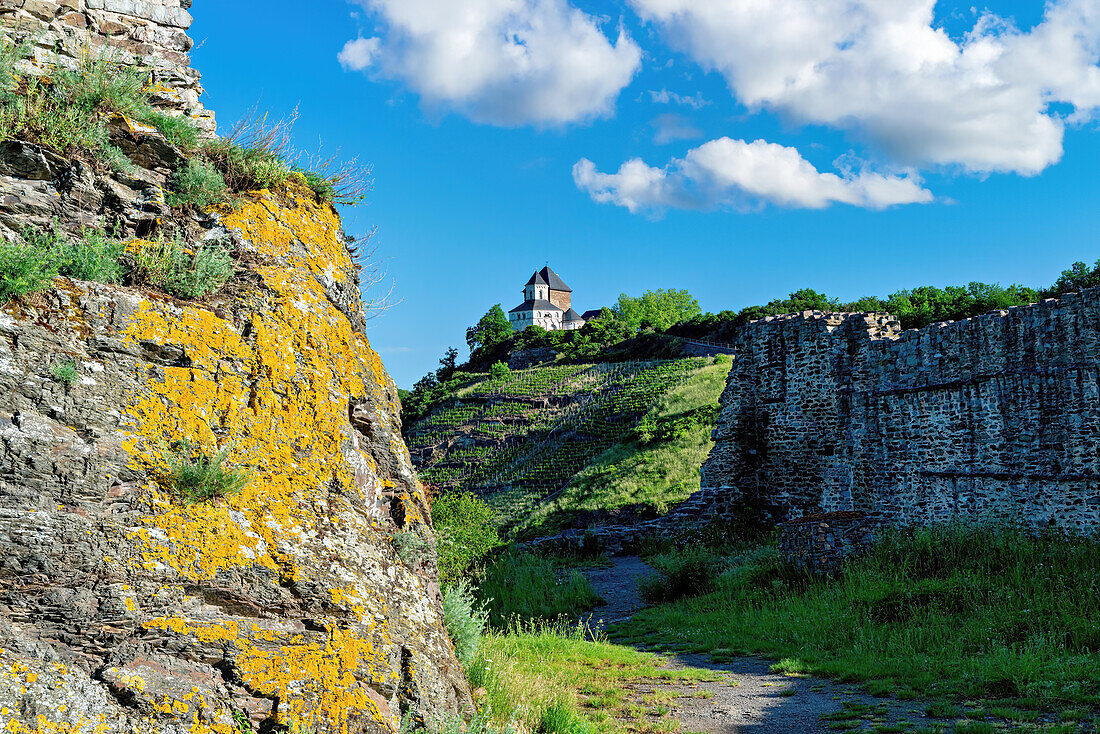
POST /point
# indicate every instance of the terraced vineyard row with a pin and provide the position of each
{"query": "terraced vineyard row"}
(520, 438)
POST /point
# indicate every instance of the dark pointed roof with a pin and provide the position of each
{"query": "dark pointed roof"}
(589, 315)
(548, 277)
(571, 315)
(535, 305)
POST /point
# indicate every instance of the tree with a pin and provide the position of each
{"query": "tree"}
(658, 309)
(1076, 278)
(447, 364)
(492, 329)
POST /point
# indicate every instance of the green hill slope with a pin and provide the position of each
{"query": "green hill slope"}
(544, 445)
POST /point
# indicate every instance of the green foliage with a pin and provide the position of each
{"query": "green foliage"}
(412, 548)
(499, 370)
(1076, 278)
(522, 586)
(465, 620)
(245, 168)
(657, 309)
(168, 265)
(64, 372)
(197, 185)
(467, 532)
(597, 336)
(490, 330)
(177, 130)
(67, 109)
(961, 611)
(24, 269)
(196, 477)
(687, 571)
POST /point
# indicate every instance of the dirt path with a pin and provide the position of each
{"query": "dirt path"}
(749, 698)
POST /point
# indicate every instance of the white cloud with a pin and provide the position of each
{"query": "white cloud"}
(502, 62)
(882, 69)
(670, 127)
(734, 174)
(664, 96)
(359, 54)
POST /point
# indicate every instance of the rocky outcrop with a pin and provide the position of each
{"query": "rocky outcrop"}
(126, 608)
(122, 608)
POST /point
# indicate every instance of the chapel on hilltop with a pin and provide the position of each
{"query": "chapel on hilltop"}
(547, 302)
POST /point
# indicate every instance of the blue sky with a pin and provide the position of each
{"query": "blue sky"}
(475, 183)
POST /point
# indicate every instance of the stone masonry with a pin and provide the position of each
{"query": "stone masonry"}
(994, 416)
(150, 33)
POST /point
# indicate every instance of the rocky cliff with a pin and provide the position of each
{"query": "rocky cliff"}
(289, 606)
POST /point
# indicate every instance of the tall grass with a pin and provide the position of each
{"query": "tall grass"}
(521, 586)
(958, 610)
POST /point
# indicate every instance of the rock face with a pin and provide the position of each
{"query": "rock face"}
(308, 601)
(996, 415)
(122, 608)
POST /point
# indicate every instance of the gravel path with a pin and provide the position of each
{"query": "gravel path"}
(749, 699)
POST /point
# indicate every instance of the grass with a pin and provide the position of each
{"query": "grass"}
(168, 265)
(520, 586)
(69, 109)
(556, 678)
(196, 477)
(951, 613)
(655, 474)
(64, 372)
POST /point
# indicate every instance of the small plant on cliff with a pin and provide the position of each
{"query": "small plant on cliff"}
(24, 269)
(465, 620)
(64, 372)
(197, 185)
(167, 264)
(198, 477)
(94, 255)
(179, 131)
(412, 548)
(67, 108)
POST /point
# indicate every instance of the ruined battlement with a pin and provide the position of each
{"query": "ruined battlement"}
(993, 415)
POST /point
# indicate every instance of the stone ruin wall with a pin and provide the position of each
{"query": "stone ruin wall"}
(151, 33)
(997, 415)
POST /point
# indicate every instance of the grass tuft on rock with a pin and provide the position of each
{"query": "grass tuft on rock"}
(195, 476)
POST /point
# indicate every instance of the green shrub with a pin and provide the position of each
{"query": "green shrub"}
(168, 265)
(477, 724)
(465, 620)
(24, 269)
(246, 168)
(688, 571)
(177, 130)
(196, 477)
(94, 256)
(499, 369)
(467, 530)
(412, 548)
(520, 586)
(197, 185)
(64, 372)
